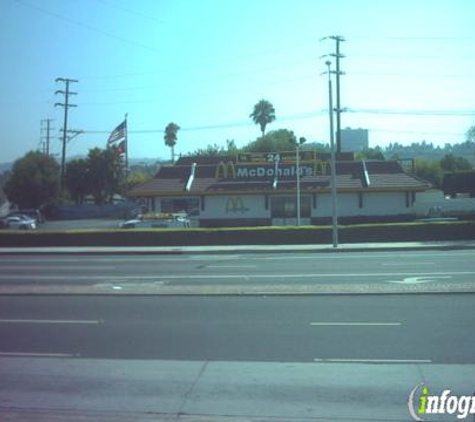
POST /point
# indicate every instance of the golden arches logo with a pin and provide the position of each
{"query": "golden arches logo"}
(320, 167)
(235, 205)
(225, 170)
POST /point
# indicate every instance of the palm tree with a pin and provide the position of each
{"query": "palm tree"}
(264, 113)
(171, 137)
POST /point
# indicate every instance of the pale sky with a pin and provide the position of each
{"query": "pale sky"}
(204, 64)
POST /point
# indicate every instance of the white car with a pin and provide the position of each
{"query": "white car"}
(19, 222)
(170, 223)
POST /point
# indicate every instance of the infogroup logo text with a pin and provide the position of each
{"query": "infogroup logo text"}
(421, 403)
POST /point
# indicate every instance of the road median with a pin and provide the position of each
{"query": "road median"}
(159, 289)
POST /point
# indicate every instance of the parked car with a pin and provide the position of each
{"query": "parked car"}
(20, 222)
(31, 213)
(164, 223)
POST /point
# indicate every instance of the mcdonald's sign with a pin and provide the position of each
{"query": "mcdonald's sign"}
(225, 170)
(235, 205)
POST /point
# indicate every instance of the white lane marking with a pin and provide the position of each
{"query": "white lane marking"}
(419, 280)
(227, 276)
(57, 267)
(231, 266)
(355, 324)
(374, 360)
(405, 264)
(50, 321)
(353, 255)
(151, 259)
(39, 355)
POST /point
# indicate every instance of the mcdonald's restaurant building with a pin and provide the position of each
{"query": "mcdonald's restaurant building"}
(251, 189)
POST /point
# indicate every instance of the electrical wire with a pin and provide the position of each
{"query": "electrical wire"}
(130, 11)
(413, 112)
(87, 26)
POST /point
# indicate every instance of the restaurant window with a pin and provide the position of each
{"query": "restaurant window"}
(189, 205)
(286, 206)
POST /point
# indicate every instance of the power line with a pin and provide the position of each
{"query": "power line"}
(130, 11)
(215, 93)
(413, 112)
(417, 132)
(410, 75)
(303, 116)
(418, 38)
(298, 116)
(415, 57)
(87, 26)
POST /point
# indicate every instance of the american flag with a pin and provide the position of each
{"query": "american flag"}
(121, 147)
(118, 133)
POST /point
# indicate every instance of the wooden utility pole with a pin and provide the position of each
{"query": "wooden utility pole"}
(45, 140)
(66, 105)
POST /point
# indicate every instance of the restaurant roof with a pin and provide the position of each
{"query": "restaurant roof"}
(226, 174)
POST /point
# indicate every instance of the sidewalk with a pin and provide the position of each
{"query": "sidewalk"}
(242, 249)
(72, 389)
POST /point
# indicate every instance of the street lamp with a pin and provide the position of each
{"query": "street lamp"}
(333, 165)
(297, 152)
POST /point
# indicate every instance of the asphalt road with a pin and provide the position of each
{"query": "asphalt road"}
(384, 268)
(382, 329)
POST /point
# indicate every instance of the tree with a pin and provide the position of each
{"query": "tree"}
(34, 181)
(3, 180)
(452, 163)
(76, 179)
(263, 114)
(470, 135)
(171, 137)
(209, 151)
(278, 140)
(430, 171)
(105, 175)
(137, 178)
(370, 154)
(215, 150)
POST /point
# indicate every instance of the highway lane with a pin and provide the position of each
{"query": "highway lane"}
(372, 267)
(378, 329)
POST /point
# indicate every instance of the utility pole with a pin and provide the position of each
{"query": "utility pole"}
(338, 39)
(45, 140)
(297, 153)
(333, 163)
(66, 105)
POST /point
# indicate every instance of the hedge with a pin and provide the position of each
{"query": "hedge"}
(399, 232)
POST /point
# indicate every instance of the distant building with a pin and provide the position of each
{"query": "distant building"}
(354, 139)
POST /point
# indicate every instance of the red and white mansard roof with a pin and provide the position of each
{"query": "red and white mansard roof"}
(276, 173)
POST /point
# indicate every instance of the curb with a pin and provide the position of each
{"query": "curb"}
(54, 415)
(233, 249)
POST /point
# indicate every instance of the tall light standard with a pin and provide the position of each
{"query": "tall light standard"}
(297, 152)
(333, 165)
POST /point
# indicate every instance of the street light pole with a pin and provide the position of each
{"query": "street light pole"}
(297, 149)
(333, 164)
